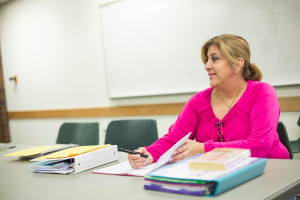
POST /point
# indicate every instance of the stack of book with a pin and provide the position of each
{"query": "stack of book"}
(182, 179)
(219, 159)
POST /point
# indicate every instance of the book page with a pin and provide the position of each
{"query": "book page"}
(124, 168)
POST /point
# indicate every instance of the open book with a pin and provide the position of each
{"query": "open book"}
(124, 168)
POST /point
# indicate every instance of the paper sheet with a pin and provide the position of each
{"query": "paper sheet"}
(72, 151)
(124, 168)
(33, 151)
(5, 146)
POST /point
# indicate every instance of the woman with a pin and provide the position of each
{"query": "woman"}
(236, 111)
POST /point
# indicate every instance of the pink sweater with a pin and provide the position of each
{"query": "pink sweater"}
(250, 124)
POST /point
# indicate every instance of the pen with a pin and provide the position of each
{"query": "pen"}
(132, 152)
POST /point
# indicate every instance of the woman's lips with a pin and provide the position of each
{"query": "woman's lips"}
(210, 75)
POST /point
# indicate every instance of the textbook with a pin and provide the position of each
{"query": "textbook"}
(179, 178)
(219, 158)
(124, 168)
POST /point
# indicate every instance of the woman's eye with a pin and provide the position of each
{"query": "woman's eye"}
(215, 58)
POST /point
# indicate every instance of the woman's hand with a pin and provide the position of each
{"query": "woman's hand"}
(138, 162)
(190, 148)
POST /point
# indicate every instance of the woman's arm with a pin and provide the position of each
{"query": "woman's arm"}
(186, 122)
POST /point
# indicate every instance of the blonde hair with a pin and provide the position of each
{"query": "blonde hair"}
(233, 47)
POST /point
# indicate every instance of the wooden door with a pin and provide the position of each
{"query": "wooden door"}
(4, 129)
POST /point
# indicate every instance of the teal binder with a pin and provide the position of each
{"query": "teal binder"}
(187, 181)
(239, 176)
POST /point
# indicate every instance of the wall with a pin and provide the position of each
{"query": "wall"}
(165, 36)
(55, 49)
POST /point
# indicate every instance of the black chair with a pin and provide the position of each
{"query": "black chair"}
(284, 138)
(131, 134)
(78, 133)
(296, 143)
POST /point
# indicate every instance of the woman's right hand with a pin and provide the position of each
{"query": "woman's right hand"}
(138, 162)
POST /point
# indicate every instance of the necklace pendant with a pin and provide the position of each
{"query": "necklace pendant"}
(228, 108)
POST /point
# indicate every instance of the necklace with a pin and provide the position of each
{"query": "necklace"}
(231, 105)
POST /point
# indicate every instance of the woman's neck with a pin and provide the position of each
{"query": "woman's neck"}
(231, 89)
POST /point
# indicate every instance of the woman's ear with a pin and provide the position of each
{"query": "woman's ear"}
(240, 65)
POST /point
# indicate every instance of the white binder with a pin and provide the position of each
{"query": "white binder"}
(87, 160)
(95, 158)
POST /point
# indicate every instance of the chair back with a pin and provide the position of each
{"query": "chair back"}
(78, 133)
(131, 134)
(296, 143)
(284, 138)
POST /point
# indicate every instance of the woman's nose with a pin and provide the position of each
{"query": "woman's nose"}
(208, 65)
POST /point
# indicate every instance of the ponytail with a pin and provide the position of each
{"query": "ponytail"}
(252, 72)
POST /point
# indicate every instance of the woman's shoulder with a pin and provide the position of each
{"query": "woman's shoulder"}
(259, 84)
(204, 94)
(201, 98)
(258, 92)
(260, 88)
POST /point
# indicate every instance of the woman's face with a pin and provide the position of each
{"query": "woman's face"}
(218, 67)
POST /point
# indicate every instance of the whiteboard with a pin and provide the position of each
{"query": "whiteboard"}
(152, 47)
